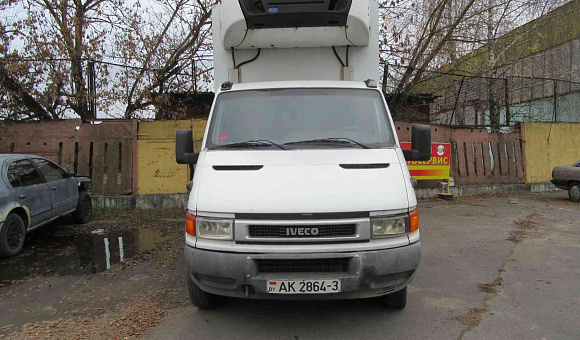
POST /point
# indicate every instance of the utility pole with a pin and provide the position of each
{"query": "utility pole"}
(92, 93)
(555, 101)
(491, 83)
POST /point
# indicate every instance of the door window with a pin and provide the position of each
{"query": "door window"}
(49, 170)
(13, 177)
(26, 173)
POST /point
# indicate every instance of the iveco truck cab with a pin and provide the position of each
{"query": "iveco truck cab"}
(301, 189)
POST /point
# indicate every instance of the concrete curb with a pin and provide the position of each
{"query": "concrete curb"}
(180, 200)
(141, 201)
(491, 189)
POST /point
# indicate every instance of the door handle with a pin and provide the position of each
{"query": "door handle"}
(53, 188)
(22, 197)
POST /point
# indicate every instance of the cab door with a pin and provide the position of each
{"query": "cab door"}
(63, 188)
(29, 189)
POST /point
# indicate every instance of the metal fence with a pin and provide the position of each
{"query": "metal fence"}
(131, 157)
(479, 155)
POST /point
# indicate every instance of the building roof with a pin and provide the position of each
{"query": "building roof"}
(552, 29)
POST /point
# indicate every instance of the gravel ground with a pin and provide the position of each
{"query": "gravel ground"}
(493, 267)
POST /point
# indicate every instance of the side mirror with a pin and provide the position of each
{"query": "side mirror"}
(420, 144)
(184, 147)
(71, 173)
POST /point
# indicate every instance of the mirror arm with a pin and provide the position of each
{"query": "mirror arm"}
(409, 155)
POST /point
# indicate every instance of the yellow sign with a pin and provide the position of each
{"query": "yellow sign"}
(437, 167)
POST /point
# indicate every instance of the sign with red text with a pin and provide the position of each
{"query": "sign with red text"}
(436, 168)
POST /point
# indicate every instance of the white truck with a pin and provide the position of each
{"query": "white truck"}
(301, 190)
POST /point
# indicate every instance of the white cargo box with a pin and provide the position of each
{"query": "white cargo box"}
(265, 32)
(294, 40)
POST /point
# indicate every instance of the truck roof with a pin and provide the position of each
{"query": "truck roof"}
(298, 84)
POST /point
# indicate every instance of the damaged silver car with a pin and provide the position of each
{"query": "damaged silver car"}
(33, 192)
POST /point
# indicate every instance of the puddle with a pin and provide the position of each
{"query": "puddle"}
(56, 250)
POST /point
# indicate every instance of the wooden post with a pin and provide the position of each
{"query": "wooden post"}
(135, 162)
(507, 103)
(456, 100)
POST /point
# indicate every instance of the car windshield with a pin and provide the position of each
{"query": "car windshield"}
(300, 118)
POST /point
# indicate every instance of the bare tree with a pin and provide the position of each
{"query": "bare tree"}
(56, 38)
(421, 36)
(163, 46)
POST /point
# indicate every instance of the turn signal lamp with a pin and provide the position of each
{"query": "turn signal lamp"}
(190, 224)
(414, 220)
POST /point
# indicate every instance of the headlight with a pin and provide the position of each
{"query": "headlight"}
(389, 226)
(214, 229)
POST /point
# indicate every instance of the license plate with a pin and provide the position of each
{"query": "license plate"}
(303, 286)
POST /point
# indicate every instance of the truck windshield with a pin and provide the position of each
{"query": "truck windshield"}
(300, 118)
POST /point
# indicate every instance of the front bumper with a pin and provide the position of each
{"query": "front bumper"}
(369, 274)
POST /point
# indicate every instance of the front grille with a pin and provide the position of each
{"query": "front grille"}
(302, 231)
(385, 290)
(303, 266)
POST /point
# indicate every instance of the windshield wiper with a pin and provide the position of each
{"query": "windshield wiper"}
(340, 140)
(251, 143)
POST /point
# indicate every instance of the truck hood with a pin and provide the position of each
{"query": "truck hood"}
(299, 181)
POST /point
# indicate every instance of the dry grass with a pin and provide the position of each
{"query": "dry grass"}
(130, 321)
(522, 226)
(472, 318)
(491, 287)
(529, 221)
(516, 236)
(558, 201)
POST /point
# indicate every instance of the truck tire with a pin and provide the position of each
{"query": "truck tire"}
(84, 209)
(199, 298)
(396, 300)
(574, 192)
(12, 236)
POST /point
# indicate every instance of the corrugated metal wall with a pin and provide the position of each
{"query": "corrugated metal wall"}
(548, 145)
(158, 173)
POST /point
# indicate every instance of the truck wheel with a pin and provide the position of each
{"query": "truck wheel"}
(201, 299)
(84, 209)
(12, 236)
(397, 300)
(574, 192)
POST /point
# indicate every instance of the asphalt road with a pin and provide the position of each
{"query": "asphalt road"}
(492, 268)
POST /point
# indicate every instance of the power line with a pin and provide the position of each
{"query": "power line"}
(99, 62)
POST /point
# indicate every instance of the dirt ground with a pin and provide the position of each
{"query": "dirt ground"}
(59, 286)
(486, 259)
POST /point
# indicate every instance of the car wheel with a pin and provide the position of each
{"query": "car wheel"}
(12, 236)
(397, 300)
(574, 192)
(199, 298)
(84, 209)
